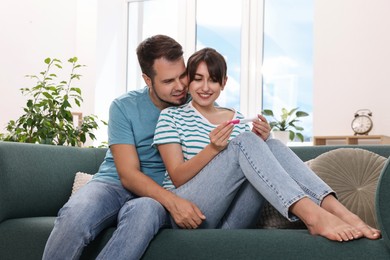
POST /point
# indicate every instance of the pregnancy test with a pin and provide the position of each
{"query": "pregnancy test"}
(242, 121)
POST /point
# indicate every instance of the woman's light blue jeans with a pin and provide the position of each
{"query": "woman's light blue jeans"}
(230, 192)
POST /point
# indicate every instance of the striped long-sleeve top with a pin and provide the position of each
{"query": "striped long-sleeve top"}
(189, 128)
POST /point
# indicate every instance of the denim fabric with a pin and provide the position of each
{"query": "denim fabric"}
(230, 191)
(271, 167)
(244, 211)
(99, 205)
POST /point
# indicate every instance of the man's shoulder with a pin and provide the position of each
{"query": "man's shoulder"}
(131, 98)
(133, 95)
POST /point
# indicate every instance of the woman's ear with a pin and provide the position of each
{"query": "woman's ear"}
(224, 83)
(148, 81)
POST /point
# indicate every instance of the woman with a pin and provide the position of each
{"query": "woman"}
(194, 136)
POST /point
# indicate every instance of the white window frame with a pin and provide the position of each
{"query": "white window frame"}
(251, 48)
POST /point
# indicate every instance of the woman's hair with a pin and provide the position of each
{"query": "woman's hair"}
(156, 47)
(215, 62)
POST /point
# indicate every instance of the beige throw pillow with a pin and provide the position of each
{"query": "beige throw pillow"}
(353, 174)
(80, 180)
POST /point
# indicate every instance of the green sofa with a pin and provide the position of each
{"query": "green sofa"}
(36, 180)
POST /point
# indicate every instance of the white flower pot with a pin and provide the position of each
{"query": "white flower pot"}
(283, 136)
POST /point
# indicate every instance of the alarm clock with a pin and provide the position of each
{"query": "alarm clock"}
(362, 123)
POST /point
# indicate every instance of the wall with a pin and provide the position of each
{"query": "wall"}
(41, 29)
(92, 30)
(352, 64)
(351, 59)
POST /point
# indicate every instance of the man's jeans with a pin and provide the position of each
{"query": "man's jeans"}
(221, 191)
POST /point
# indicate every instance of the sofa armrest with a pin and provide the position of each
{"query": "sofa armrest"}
(383, 203)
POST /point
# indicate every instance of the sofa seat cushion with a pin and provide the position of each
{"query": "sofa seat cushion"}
(24, 238)
(258, 244)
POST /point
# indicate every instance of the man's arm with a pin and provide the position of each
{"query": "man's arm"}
(184, 213)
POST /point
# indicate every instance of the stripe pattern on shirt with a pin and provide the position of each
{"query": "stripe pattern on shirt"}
(185, 126)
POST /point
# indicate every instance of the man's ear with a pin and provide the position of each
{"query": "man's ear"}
(148, 81)
(224, 83)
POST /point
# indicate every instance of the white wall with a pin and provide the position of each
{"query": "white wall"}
(351, 59)
(92, 30)
(30, 32)
(351, 64)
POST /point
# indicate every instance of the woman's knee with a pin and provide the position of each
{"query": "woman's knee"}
(274, 143)
(245, 136)
(248, 138)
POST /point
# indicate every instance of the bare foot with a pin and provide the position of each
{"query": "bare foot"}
(323, 223)
(366, 230)
(332, 205)
(330, 226)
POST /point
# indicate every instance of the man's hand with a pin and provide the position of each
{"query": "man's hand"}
(261, 127)
(185, 213)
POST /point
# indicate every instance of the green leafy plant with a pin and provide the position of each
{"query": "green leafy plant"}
(47, 117)
(287, 122)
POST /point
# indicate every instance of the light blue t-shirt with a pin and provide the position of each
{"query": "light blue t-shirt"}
(132, 120)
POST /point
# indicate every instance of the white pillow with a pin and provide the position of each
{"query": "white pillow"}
(80, 180)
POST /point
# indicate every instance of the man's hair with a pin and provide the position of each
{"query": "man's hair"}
(215, 62)
(156, 47)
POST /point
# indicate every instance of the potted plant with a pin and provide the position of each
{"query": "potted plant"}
(286, 123)
(47, 117)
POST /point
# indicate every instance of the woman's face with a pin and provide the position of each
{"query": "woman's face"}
(203, 89)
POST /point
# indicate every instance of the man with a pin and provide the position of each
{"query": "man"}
(127, 189)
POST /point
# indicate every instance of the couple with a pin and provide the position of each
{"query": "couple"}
(218, 177)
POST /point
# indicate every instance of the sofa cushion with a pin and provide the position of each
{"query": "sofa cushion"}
(353, 174)
(81, 178)
(24, 238)
(257, 244)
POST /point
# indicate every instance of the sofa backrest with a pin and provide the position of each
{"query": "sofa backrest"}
(37, 179)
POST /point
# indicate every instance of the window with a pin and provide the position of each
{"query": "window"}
(222, 33)
(274, 76)
(288, 57)
(147, 18)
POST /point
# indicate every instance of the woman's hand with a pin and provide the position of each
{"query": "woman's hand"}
(261, 127)
(219, 137)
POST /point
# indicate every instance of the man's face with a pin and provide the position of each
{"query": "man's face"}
(169, 87)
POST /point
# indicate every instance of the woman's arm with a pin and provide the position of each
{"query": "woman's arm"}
(180, 171)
